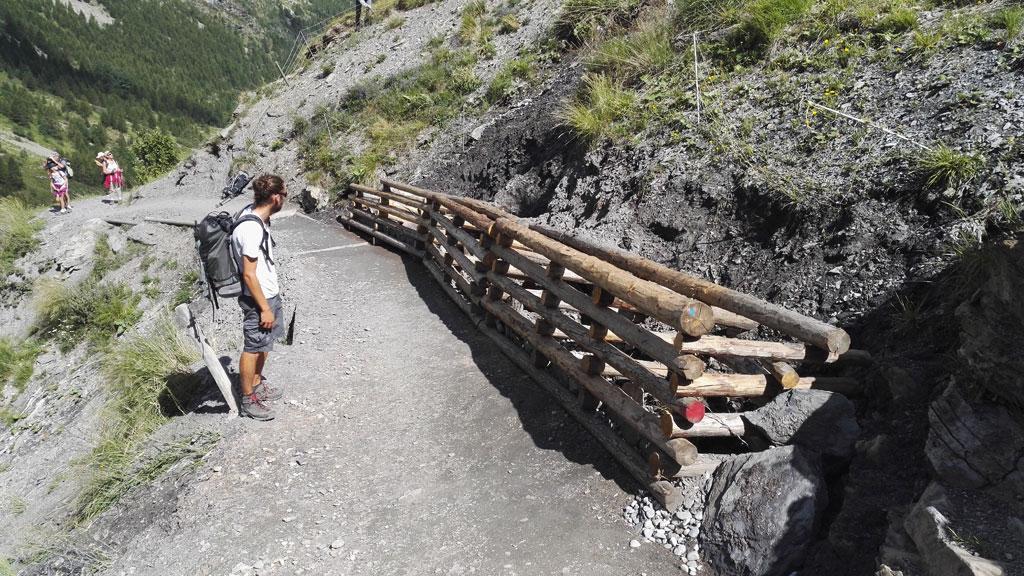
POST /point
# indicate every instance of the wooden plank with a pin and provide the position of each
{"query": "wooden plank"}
(458, 255)
(689, 316)
(748, 385)
(614, 399)
(412, 202)
(390, 210)
(637, 336)
(468, 242)
(833, 339)
(714, 425)
(382, 237)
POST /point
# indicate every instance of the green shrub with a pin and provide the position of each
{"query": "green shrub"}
(757, 22)
(92, 311)
(395, 21)
(18, 228)
(647, 49)
(17, 362)
(411, 4)
(516, 70)
(585, 20)
(899, 20)
(926, 42)
(946, 168)
(144, 374)
(603, 103)
(509, 23)
(1011, 20)
(155, 153)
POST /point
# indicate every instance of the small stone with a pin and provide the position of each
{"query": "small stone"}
(684, 515)
(287, 518)
(217, 468)
(679, 550)
(693, 556)
(634, 543)
(698, 515)
(693, 532)
(659, 534)
(647, 532)
(337, 544)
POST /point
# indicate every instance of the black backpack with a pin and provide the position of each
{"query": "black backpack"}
(217, 254)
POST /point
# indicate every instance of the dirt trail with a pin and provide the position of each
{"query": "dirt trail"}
(407, 444)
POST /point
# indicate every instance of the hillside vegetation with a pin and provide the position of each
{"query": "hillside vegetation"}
(80, 86)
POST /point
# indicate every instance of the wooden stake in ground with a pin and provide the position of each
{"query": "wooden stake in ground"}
(186, 321)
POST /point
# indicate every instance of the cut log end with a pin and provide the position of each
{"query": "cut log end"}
(697, 319)
(681, 451)
(838, 341)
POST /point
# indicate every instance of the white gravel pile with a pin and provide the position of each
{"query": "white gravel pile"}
(678, 532)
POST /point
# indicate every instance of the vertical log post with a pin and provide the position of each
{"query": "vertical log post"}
(498, 266)
(591, 364)
(550, 301)
(421, 226)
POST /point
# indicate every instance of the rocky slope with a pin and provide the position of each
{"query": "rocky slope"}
(767, 194)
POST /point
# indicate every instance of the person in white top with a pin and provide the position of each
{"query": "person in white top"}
(261, 294)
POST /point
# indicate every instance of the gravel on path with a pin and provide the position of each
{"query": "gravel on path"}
(407, 444)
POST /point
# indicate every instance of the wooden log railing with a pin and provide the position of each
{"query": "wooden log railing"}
(611, 335)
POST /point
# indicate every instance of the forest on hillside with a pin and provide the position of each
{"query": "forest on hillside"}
(178, 66)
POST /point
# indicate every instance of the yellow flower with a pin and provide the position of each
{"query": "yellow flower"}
(826, 41)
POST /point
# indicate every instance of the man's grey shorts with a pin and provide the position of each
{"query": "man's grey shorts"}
(257, 339)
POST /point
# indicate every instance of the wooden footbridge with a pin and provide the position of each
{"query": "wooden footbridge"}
(623, 343)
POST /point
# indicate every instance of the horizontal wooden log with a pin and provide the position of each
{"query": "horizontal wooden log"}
(617, 446)
(390, 210)
(693, 368)
(705, 464)
(729, 319)
(612, 356)
(636, 336)
(394, 226)
(723, 346)
(442, 279)
(833, 339)
(784, 374)
(471, 216)
(471, 244)
(460, 280)
(751, 385)
(613, 398)
(382, 237)
(458, 255)
(714, 425)
(686, 315)
(412, 202)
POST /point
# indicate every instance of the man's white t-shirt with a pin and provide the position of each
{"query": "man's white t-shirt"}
(246, 239)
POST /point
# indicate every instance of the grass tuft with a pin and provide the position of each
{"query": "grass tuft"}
(92, 311)
(18, 228)
(603, 103)
(17, 362)
(142, 374)
(514, 72)
(1011, 20)
(586, 20)
(945, 168)
(645, 50)
(901, 19)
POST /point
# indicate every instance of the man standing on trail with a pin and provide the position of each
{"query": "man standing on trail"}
(260, 300)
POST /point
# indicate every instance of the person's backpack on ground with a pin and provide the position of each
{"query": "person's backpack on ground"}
(216, 254)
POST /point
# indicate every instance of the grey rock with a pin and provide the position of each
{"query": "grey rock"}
(943, 556)
(975, 445)
(762, 511)
(478, 132)
(314, 198)
(817, 419)
(337, 544)
(679, 550)
(634, 543)
(684, 515)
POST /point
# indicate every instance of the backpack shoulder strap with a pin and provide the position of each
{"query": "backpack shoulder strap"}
(264, 244)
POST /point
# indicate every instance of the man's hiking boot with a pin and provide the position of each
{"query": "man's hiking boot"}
(268, 393)
(254, 407)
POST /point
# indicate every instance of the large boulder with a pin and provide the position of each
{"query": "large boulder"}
(762, 512)
(976, 444)
(992, 324)
(314, 198)
(942, 549)
(817, 419)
